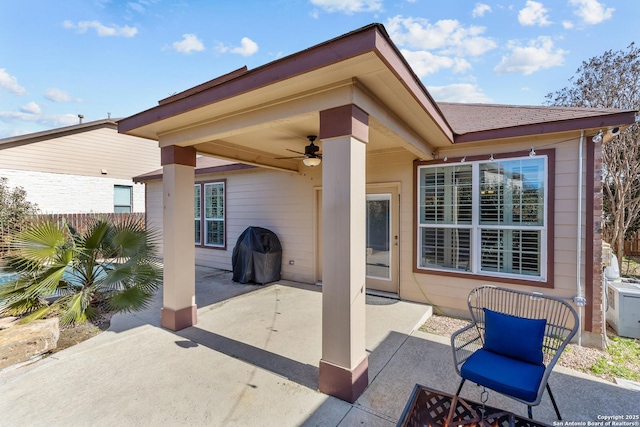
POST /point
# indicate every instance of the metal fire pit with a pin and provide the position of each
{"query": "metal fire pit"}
(429, 407)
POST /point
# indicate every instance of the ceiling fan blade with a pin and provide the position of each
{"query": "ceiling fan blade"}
(288, 158)
(294, 151)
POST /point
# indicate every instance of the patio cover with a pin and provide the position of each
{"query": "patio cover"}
(359, 95)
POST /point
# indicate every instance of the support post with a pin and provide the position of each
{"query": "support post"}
(344, 365)
(179, 296)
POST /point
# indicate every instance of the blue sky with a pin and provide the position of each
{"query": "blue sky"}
(62, 58)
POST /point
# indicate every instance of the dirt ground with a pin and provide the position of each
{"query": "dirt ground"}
(71, 335)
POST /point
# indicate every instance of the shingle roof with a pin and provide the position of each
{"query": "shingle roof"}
(52, 133)
(481, 119)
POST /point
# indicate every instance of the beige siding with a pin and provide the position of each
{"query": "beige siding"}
(279, 201)
(87, 154)
(450, 293)
(284, 203)
(153, 204)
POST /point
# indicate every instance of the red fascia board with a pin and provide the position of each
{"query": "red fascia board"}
(336, 50)
(213, 169)
(372, 38)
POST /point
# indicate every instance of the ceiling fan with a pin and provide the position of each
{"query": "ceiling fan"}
(310, 157)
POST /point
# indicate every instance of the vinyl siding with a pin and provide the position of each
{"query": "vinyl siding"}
(279, 201)
(450, 293)
(85, 154)
(284, 203)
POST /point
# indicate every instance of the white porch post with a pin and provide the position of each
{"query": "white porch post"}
(179, 296)
(344, 365)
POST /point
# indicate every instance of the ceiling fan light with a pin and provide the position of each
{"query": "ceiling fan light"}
(311, 161)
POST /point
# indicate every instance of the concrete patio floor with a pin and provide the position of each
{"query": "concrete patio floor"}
(252, 360)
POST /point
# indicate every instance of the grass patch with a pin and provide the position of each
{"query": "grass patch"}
(630, 266)
(621, 360)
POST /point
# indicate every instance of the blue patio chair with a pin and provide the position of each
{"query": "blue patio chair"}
(514, 342)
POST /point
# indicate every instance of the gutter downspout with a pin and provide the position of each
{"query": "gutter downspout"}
(579, 299)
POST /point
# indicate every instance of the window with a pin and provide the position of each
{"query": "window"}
(484, 217)
(122, 198)
(209, 209)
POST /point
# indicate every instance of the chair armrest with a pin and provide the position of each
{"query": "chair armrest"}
(464, 343)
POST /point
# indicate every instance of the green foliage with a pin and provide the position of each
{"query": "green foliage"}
(611, 81)
(61, 271)
(622, 360)
(15, 210)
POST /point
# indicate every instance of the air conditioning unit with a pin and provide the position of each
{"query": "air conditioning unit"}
(623, 308)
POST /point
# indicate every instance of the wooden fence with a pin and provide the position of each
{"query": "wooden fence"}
(79, 221)
(632, 245)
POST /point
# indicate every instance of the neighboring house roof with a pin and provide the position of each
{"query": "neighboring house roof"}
(58, 132)
(474, 122)
(204, 165)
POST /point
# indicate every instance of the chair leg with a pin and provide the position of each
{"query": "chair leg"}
(529, 414)
(553, 401)
(460, 387)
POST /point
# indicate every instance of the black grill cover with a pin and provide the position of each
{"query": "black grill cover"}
(257, 256)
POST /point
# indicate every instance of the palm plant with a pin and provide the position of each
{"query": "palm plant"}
(71, 274)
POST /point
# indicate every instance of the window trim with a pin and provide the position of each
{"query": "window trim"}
(548, 282)
(203, 212)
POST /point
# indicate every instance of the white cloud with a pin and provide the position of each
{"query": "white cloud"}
(102, 30)
(480, 10)
(591, 11)
(137, 7)
(10, 83)
(534, 13)
(567, 25)
(190, 43)
(247, 47)
(448, 35)
(220, 47)
(53, 120)
(31, 108)
(58, 95)
(539, 54)
(459, 92)
(424, 63)
(348, 7)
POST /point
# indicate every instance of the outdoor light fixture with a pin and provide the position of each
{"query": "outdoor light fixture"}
(532, 153)
(311, 161)
(491, 159)
(464, 159)
(597, 138)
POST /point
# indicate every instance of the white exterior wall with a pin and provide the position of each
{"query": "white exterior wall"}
(59, 193)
